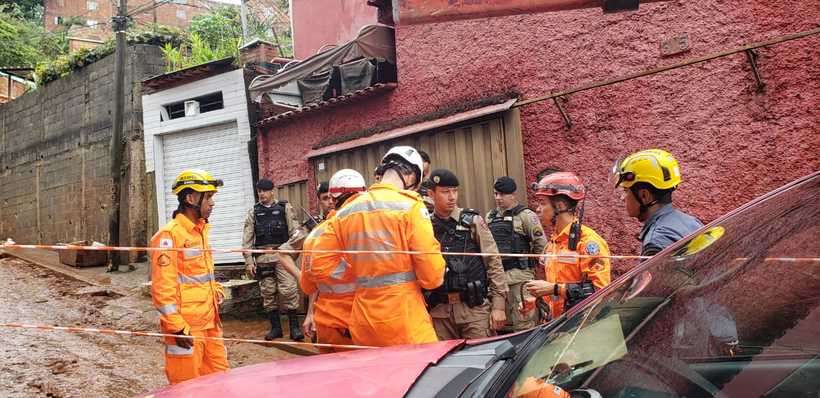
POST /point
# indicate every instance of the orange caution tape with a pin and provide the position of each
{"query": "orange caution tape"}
(408, 252)
(274, 251)
(176, 336)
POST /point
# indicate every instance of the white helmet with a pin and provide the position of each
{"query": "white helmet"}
(407, 154)
(346, 181)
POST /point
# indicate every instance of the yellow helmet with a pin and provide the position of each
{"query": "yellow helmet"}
(655, 167)
(196, 179)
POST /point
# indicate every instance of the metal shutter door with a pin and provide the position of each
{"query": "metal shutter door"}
(217, 150)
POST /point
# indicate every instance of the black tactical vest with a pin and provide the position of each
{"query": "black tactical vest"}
(507, 240)
(271, 226)
(456, 236)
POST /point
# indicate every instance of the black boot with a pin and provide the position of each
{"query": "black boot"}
(275, 326)
(295, 327)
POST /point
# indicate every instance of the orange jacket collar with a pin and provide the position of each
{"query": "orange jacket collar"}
(564, 234)
(189, 226)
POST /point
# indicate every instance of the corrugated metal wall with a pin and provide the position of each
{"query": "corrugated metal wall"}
(296, 194)
(475, 152)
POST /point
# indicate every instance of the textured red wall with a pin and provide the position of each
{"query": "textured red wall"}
(734, 144)
(320, 22)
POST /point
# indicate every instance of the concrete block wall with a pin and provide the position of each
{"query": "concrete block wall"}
(55, 164)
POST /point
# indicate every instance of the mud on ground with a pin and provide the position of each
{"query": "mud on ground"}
(35, 363)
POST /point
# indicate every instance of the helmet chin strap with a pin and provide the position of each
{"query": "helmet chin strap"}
(644, 206)
(556, 212)
(198, 206)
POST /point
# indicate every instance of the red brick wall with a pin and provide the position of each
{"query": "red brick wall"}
(166, 14)
(17, 89)
(734, 144)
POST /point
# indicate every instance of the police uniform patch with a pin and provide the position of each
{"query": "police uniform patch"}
(165, 242)
(593, 249)
(163, 260)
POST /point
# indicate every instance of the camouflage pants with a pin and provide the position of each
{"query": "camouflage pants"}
(515, 278)
(282, 282)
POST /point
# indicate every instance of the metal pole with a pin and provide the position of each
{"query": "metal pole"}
(244, 14)
(120, 25)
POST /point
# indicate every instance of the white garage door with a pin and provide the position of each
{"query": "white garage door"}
(218, 150)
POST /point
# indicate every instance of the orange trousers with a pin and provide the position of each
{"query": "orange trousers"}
(330, 335)
(206, 356)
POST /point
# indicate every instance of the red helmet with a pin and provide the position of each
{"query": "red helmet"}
(560, 183)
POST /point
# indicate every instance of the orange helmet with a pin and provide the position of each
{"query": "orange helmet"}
(560, 183)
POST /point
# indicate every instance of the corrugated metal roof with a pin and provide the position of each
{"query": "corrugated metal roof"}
(177, 78)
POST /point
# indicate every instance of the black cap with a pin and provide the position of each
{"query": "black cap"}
(264, 184)
(323, 187)
(505, 185)
(443, 178)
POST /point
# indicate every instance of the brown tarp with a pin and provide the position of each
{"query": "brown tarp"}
(373, 41)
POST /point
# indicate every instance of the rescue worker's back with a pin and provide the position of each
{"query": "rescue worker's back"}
(389, 307)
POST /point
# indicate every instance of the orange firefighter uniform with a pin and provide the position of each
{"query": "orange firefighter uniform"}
(538, 388)
(186, 294)
(333, 305)
(388, 305)
(566, 267)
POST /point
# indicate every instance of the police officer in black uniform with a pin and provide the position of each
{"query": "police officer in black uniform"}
(516, 229)
(268, 225)
(470, 302)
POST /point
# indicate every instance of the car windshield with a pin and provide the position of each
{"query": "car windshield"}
(731, 312)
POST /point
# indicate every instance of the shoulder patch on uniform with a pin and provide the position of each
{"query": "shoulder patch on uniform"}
(166, 242)
(593, 249)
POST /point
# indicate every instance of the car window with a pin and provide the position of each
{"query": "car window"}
(733, 312)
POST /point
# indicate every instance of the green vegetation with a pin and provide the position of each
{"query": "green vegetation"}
(64, 64)
(211, 36)
(215, 35)
(25, 42)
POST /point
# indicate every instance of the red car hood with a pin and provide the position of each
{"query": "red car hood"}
(382, 372)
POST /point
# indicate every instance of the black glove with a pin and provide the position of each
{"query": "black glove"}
(182, 342)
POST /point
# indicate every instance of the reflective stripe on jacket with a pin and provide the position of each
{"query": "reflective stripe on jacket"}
(388, 308)
(183, 287)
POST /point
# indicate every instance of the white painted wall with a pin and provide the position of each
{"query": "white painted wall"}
(216, 141)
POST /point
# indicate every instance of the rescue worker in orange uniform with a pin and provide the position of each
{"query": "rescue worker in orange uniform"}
(388, 306)
(297, 239)
(569, 279)
(183, 287)
(331, 302)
